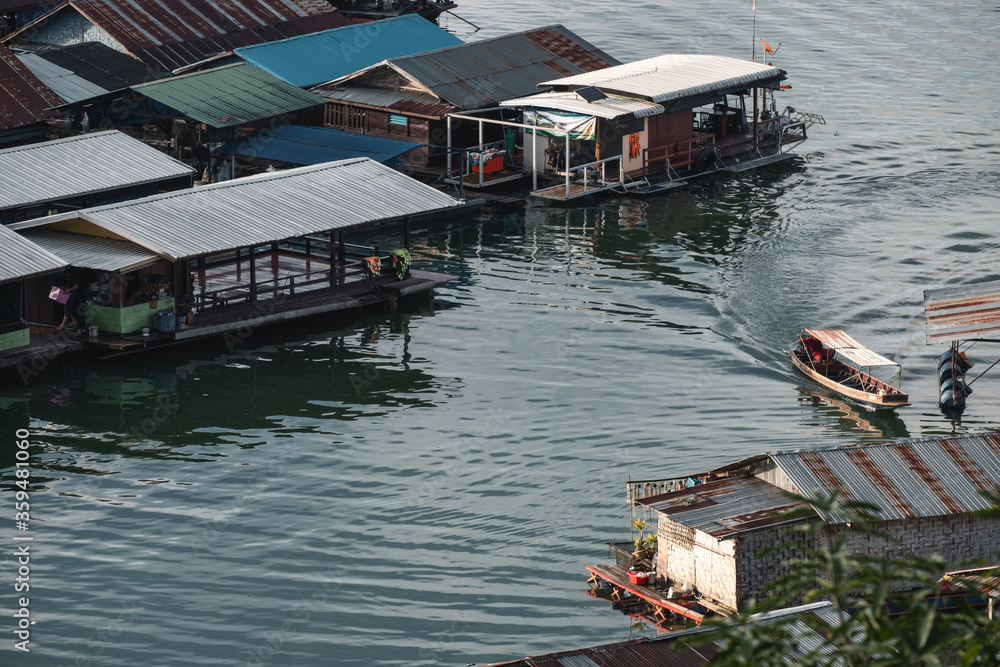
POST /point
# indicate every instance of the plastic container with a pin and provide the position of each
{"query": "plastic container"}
(94, 331)
(638, 578)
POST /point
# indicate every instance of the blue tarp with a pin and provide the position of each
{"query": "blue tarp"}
(299, 145)
(308, 60)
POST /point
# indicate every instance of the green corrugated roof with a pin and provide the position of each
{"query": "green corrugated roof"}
(228, 96)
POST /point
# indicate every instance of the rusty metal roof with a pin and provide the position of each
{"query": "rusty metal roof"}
(170, 35)
(724, 507)
(479, 74)
(984, 579)
(676, 649)
(962, 313)
(836, 339)
(23, 98)
(905, 478)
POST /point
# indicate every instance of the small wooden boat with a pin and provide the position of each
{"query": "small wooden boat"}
(838, 362)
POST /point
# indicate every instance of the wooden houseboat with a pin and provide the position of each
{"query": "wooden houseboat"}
(225, 259)
(817, 356)
(648, 126)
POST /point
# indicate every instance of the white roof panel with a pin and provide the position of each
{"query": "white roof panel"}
(81, 165)
(262, 208)
(91, 252)
(609, 107)
(672, 77)
(20, 258)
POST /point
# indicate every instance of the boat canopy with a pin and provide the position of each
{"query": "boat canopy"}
(836, 339)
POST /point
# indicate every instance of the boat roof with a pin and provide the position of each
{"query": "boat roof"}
(611, 106)
(672, 77)
(836, 339)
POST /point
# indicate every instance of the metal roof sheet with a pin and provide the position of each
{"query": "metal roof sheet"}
(91, 252)
(724, 507)
(306, 60)
(74, 166)
(169, 35)
(228, 96)
(61, 81)
(837, 339)
(984, 579)
(672, 77)
(263, 208)
(905, 478)
(299, 145)
(962, 313)
(23, 98)
(483, 73)
(403, 101)
(676, 649)
(20, 258)
(99, 65)
(609, 107)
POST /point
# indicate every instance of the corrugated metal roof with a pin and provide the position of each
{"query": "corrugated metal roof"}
(81, 165)
(91, 252)
(310, 59)
(837, 339)
(61, 81)
(299, 145)
(672, 77)
(906, 478)
(96, 69)
(20, 258)
(170, 35)
(677, 649)
(23, 98)
(229, 96)
(262, 208)
(609, 107)
(724, 507)
(968, 312)
(985, 579)
(483, 73)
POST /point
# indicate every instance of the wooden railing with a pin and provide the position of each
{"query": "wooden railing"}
(676, 159)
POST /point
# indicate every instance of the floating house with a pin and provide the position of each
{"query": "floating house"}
(87, 70)
(410, 97)
(21, 261)
(81, 171)
(228, 257)
(646, 126)
(166, 36)
(24, 102)
(711, 526)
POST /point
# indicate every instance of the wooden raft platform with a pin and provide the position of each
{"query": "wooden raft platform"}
(617, 576)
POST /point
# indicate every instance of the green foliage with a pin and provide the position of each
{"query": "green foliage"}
(873, 624)
(643, 541)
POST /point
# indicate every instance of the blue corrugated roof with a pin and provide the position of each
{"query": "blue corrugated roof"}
(319, 57)
(299, 145)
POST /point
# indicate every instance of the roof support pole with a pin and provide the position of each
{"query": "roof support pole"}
(567, 164)
(534, 160)
(334, 257)
(481, 164)
(406, 232)
(253, 275)
(447, 119)
(341, 254)
(755, 119)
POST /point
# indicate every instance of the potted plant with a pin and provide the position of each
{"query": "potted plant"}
(645, 544)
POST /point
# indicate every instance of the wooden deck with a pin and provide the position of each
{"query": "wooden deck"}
(45, 345)
(576, 189)
(617, 577)
(494, 178)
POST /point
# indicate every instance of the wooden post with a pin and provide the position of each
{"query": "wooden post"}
(334, 258)
(406, 232)
(253, 275)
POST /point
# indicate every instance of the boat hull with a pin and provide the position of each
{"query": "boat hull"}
(885, 397)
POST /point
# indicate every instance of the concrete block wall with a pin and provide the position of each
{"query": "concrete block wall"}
(686, 555)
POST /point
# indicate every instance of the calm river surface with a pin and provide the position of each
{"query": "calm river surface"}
(427, 487)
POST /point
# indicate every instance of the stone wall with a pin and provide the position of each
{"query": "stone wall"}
(689, 556)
